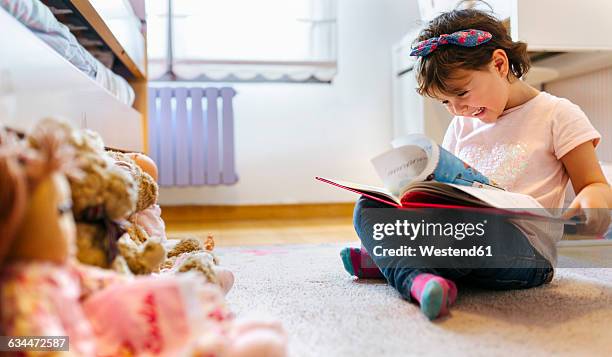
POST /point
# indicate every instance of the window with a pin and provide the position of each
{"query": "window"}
(242, 40)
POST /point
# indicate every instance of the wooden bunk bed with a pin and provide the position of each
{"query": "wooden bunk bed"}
(43, 83)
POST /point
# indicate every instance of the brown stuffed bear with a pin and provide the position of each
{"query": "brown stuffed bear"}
(111, 202)
(146, 226)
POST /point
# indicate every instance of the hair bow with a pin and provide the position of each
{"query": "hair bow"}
(464, 38)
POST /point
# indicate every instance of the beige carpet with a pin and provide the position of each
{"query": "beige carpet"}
(327, 313)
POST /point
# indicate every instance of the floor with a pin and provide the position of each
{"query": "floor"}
(289, 269)
(269, 231)
(229, 233)
(326, 312)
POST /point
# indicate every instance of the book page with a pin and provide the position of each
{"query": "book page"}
(361, 188)
(443, 189)
(441, 165)
(398, 167)
(502, 199)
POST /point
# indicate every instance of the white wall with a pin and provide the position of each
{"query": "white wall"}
(593, 93)
(286, 134)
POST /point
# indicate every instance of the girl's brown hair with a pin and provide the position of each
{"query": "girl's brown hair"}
(434, 70)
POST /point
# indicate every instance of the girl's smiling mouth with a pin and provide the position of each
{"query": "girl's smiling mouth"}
(478, 112)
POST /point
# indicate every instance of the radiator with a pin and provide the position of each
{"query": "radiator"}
(191, 135)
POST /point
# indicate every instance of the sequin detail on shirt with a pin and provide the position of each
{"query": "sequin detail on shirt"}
(503, 163)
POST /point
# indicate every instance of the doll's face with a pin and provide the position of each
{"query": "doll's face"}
(47, 231)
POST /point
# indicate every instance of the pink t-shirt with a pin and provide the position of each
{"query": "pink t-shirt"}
(521, 152)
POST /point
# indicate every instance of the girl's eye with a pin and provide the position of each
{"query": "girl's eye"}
(462, 94)
(445, 102)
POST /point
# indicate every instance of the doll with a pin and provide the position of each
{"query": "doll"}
(45, 291)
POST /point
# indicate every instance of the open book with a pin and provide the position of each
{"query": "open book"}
(417, 172)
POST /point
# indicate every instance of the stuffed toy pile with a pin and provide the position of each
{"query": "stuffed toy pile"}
(45, 291)
(118, 221)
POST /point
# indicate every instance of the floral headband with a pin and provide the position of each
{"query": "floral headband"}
(464, 38)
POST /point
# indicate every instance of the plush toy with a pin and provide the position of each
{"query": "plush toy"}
(190, 254)
(104, 197)
(146, 226)
(147, 190)
(143, 248)
(178, 248)
(115, 196)
(44, 290)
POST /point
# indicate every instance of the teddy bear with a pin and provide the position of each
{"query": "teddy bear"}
(142, 248)
(146, 225)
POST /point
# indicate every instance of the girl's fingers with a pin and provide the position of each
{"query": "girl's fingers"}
(571, 211)
(598, 220)
(604, 220)
(593, 220)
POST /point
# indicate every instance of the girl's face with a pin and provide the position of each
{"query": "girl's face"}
(481, 94)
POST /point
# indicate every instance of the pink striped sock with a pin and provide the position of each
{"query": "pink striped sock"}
(434, 293)
(358, 262)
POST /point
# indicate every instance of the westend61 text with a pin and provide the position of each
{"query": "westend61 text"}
(431, 251)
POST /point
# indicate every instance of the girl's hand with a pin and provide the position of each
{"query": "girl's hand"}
(592, 201)
(593, 193)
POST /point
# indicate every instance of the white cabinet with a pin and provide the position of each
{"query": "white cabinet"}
(429, 9)
(545, 25)
(413, 113)
(563, 25)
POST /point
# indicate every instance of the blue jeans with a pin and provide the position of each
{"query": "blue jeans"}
(523, 267)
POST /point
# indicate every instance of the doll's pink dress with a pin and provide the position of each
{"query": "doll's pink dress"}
(107, 315)
(42, 299)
